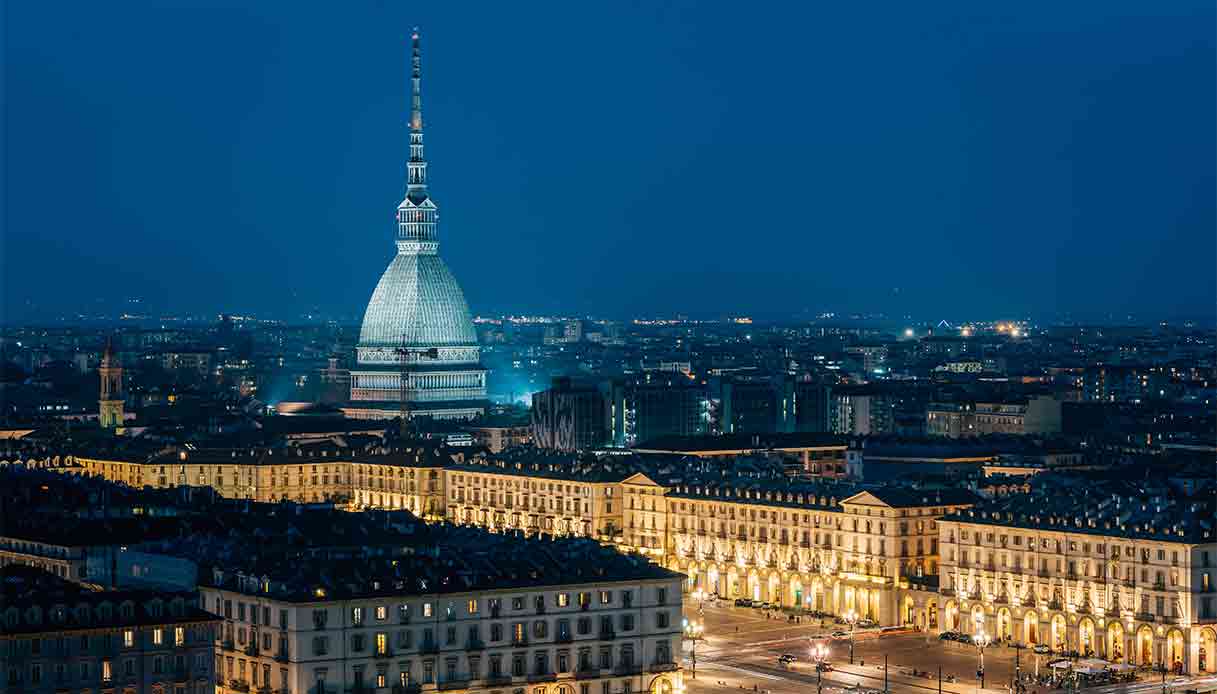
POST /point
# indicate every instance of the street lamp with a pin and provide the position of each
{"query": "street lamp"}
(693, 631)
(981, 640)
(851, 618)
(818, 652)
(700, 595)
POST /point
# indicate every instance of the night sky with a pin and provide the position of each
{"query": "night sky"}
(954, 159)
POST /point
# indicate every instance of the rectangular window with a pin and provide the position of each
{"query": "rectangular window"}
(179, 636)
(158, 636)
(128, 638)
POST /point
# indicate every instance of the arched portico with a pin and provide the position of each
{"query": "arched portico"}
(950, 620)
(1175, 655)
(1145, 645)
(1031, 628)
(1058, 632)
(1115, 641)
(1208, 645)
(1003, 623)
(1086, 643)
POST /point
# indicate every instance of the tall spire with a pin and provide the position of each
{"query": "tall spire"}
(416, 215)
(416, 181)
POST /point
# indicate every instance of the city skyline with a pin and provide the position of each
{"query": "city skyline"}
(668, 121)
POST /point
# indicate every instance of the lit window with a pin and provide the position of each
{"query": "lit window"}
(158, 636)
(179, 636)
(129, 638)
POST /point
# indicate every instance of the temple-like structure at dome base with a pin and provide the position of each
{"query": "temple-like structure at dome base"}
(417, 344)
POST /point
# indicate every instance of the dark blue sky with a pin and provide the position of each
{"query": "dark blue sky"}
(949, 158)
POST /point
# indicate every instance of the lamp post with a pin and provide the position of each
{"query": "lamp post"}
(981, 640)
(700, 595)
(851, 618)
(818, 651)
(693, 630)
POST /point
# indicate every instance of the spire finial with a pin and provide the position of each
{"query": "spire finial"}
(416, 78)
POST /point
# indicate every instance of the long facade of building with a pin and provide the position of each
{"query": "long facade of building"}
(818, 545)
(616, 635)
(1124, 584)
(57, 637)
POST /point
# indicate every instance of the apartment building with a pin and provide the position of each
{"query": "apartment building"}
(514, 616)
(57, 636)
(1107, 569)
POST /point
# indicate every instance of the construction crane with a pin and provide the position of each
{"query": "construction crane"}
(404, 355)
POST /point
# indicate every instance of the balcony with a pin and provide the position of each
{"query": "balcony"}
(283, 657)
(562, 637)
(251, 649)
(1054, 604)
(946, 591)
(1144, 617)
(446, 685)
(627, 670)
(1159, 585)
(659, 666)
(475, 645)
(499, 679)
(1042, 573)
(383, 653)
(228, 645)
(428, 647)
(540, 677)
(521, 641)
(587, 673)
(607, 635)
(238, 685)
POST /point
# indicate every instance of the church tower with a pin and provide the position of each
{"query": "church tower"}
(110, 404)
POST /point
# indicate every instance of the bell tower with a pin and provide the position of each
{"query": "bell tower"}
(110, 404)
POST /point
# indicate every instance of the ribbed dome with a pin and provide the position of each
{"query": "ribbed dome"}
(417, 303)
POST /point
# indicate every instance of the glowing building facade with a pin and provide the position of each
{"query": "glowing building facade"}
(417, 345)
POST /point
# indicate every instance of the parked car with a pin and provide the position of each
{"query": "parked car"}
(838, 635)
(1041, 649)
(743, 602)
(867, 623)
(786, 658)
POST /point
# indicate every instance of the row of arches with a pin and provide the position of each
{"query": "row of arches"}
(787, 589)
(1110, 640)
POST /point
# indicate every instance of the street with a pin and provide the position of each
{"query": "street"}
(739, 649)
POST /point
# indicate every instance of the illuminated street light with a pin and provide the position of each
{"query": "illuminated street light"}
(693, 631)
(851, 618)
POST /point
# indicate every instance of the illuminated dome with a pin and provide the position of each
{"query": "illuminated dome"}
(417, 303)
